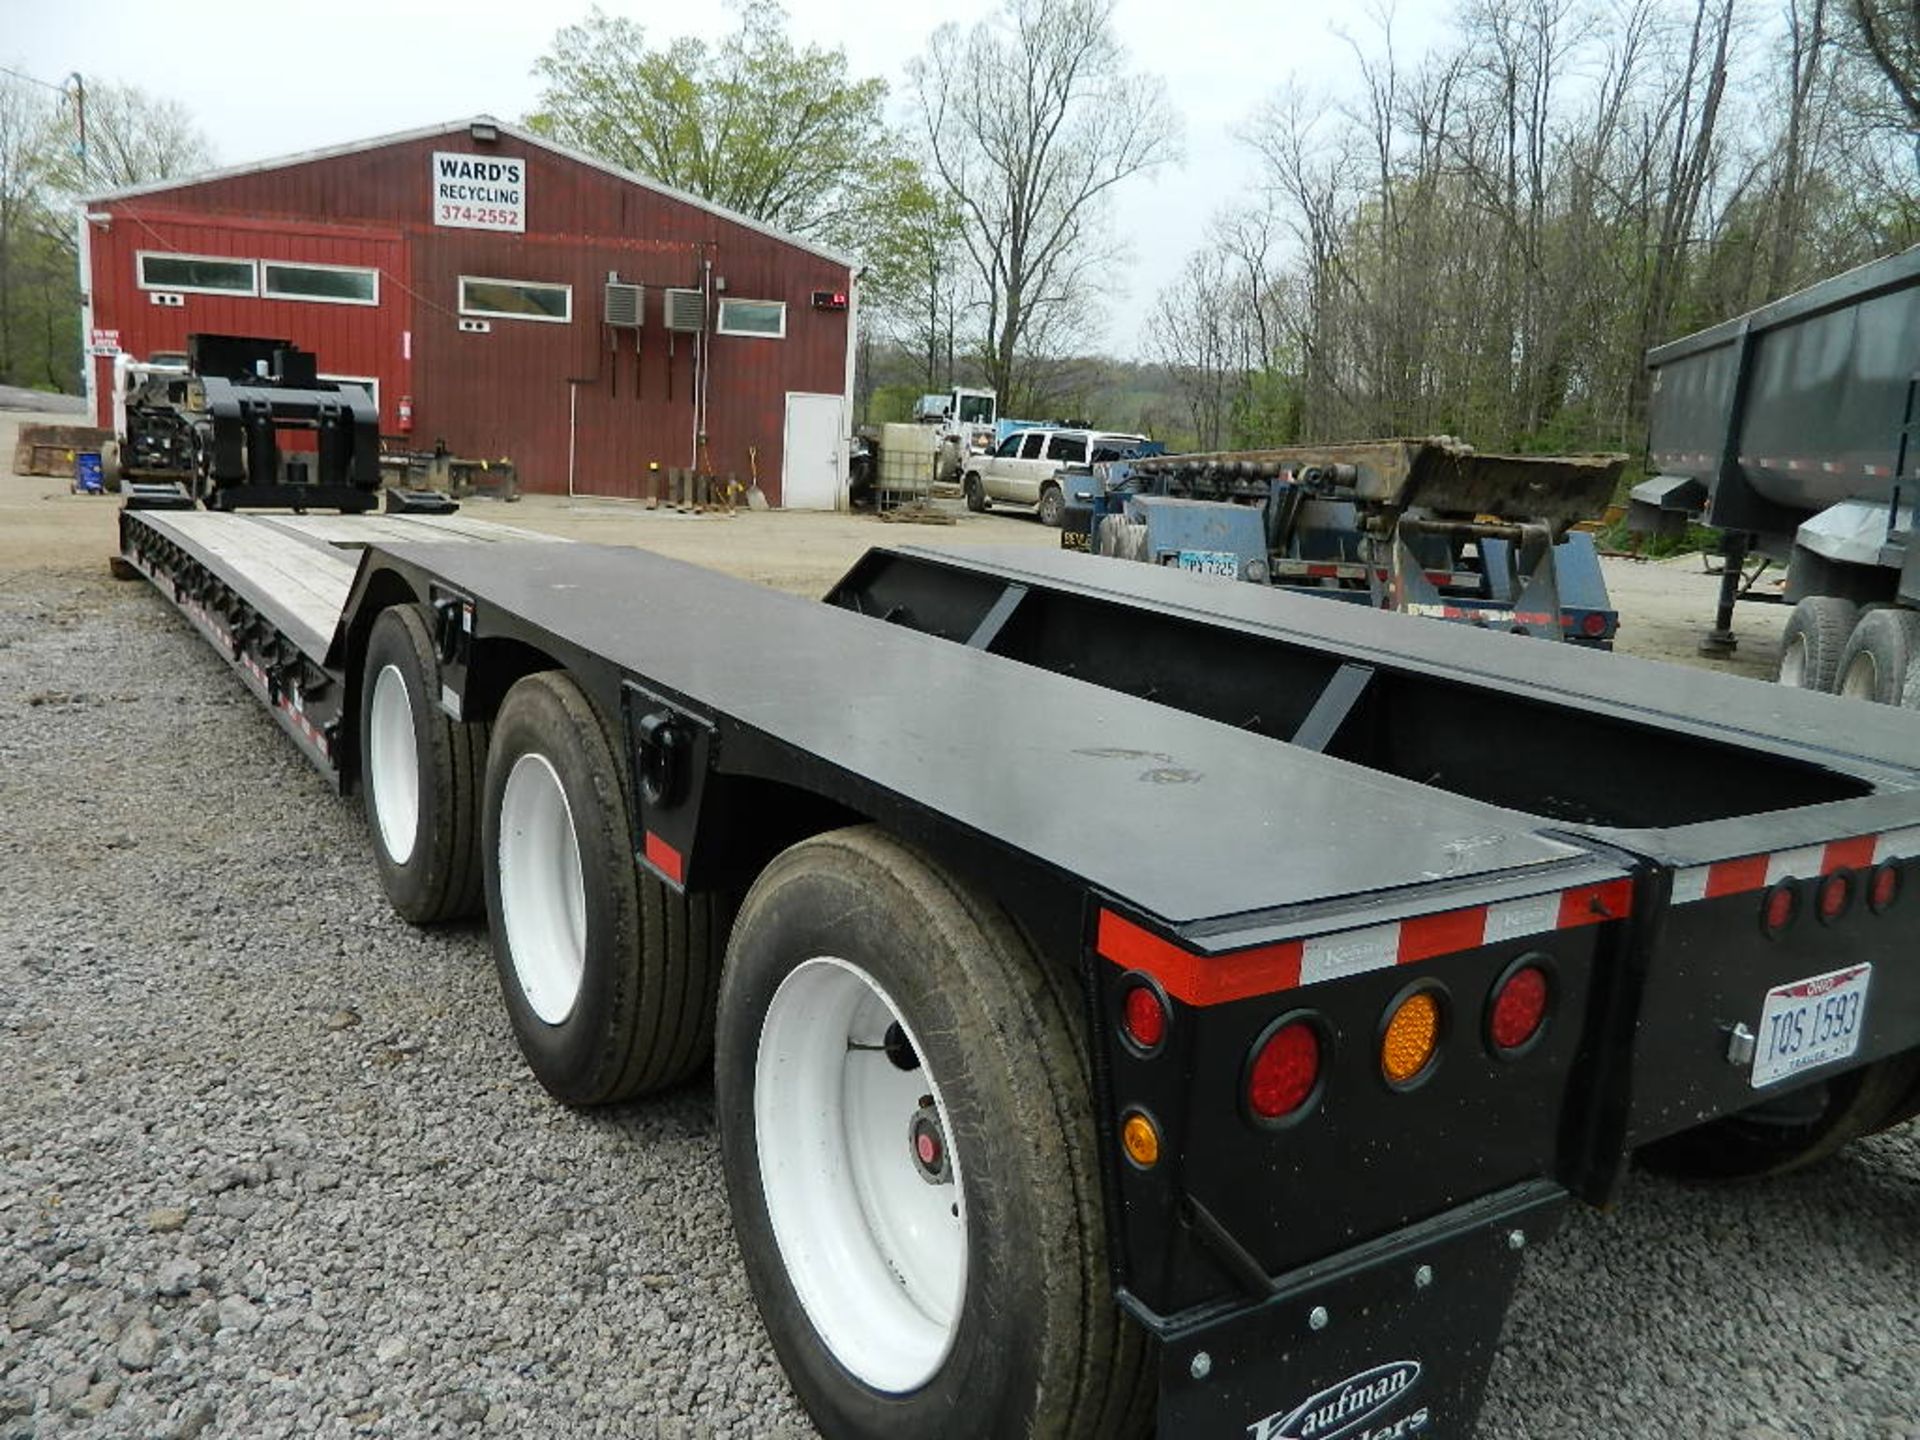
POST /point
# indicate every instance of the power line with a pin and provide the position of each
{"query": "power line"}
(33, 80)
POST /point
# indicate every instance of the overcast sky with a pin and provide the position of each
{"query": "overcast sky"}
(273, 79)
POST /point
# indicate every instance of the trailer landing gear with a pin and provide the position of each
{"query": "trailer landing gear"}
(1720, 642)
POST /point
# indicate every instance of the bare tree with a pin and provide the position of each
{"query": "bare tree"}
(1889, 31)
(132, 138)
(1031, 119)
(1196, 333)
(1807, 30)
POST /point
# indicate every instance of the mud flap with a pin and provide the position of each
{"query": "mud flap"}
(1387, 1341)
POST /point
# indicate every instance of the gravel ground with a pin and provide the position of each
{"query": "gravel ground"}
(41, 404)
(270, 1164)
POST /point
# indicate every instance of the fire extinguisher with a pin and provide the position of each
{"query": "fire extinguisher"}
(405, 416)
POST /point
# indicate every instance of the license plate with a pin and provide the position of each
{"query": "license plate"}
(1074, 540)
(1210, 562)
(1810, 1022)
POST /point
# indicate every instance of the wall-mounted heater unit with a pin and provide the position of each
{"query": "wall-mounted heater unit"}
(626, 304)
(686, 310)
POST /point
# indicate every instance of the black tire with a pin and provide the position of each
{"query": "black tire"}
(1810, 646)
(1794, 1131)
(1879, 655)
(110, 466)
(642, 1016)
(1038, 1345)
(1052, 508)
(438, 878)
(976, 493)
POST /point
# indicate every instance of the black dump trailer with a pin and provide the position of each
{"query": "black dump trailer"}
(1793, 430)
(1131, 1000)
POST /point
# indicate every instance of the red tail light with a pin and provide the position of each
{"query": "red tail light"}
(1835, 896)
(1519, 1008)
(1780, 908)
(1284, 1076)
(1884, 888)
(1144, 1017)
(1593, 624)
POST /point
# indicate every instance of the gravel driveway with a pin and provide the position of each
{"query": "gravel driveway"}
(270, 1164)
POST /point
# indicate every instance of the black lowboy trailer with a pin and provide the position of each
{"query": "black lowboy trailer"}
(1128, 998)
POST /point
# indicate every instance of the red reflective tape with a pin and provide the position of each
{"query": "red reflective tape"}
(1592, 904)
(1855, 854)
(664, 858)
(1198, 979)
(1447, 933)
(1323, 572)
(1736, 877)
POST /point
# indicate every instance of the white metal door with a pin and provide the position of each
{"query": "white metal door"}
(811, 464)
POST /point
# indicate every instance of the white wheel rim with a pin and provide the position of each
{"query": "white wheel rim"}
(1793, 664)
(1862, 680)
(395, 760)
(543, 897)
(876, 1253)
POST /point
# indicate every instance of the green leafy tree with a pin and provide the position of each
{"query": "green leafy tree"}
(781, 133)
(23, 112)
(915, 281)
(132, 138)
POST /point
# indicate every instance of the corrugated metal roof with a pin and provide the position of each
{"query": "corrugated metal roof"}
(525, 137)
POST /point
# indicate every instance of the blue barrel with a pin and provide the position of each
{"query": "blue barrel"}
(86, 473)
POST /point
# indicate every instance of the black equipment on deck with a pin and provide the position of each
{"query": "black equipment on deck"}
(256, 390)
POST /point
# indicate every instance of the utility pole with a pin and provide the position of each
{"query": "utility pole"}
(80, 108)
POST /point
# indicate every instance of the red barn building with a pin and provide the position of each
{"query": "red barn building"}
(506, 295)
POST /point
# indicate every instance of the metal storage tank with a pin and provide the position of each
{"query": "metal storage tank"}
(468, 272)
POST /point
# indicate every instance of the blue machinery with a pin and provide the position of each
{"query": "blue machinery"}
(1420, 526)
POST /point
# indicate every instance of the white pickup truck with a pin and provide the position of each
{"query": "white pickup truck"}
(1024, 468)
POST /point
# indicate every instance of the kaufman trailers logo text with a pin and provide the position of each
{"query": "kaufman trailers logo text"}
(1342, 1408)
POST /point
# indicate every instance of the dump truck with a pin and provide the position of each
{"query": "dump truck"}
(1428, 526)
(1791, 429)
(1132, 1001)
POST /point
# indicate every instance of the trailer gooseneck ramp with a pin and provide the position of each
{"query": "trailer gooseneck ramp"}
(1132, 985)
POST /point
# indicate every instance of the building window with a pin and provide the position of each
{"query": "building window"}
(515, 299)
(366, 382)
(202, 274)
(331, 284)
(765, 318)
